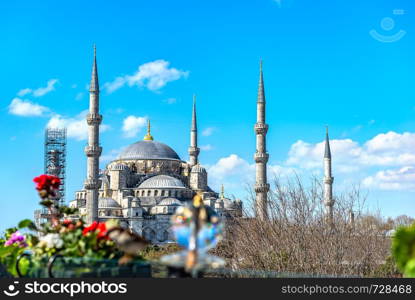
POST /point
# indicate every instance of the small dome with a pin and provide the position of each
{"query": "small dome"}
(149, 150)
(119, 167)
(161, 181)
(170, 202)
(228, 203)
(198, 169)
(107, 203)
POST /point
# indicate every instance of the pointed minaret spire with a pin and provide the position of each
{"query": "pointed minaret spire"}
(193, 149)
(222, 192)
(261, 156)
(261, 93)
(94, 86)
(93, 150)
(148, 136)
(328, 182)
(327, 152)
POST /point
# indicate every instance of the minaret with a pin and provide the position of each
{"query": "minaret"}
(328, 181)
(193, 149)
(261, 156)
(93, 150)
(222, 192)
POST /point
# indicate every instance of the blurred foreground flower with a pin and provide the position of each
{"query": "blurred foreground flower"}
(403, 249)
(18, 239)
(47, 185)
(51, 240)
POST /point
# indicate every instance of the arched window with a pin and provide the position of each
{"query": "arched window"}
(156, 193)
(148, 234)
(163, 236)
(148, 193)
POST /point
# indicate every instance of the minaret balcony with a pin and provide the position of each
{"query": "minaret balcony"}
(94, 119)
(261, 157)
(194, 151)
(329, 202)
(328, 180)
(261, 187)
(92, 184)
(261, 128)
(93, 151)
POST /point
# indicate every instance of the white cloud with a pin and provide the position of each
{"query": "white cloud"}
(236, 173)
(79, 96)
(152, 75)
(396, 179)
(25, 108)
(208, 131)
(47, 89)
(24, 92)
(233, 165)
(118, 83)
(207, 147)
(132, 125)
(77, 128)
(385, 149)
(170, 100)
(229, 165)
(112, 155)
(39, 92)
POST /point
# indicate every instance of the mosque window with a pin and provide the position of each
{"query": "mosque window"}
(156, 193)
(148, 193)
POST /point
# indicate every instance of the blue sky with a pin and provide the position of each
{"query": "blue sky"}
(322, 65)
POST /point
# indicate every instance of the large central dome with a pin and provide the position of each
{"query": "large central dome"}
(148, 150)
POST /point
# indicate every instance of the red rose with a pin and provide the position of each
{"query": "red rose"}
(90, 228)
(100, 228)
(47, 184)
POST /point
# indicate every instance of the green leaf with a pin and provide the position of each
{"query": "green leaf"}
(5, 251)
(27, 224)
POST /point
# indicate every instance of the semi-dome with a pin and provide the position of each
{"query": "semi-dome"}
(198, 169)
(148, 149)
(108, 203)
(160, 182)
(170, 202)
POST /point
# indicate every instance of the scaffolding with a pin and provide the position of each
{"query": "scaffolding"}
(55, 157)
(54, 164)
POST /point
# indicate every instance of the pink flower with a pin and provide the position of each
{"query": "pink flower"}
(16, 238)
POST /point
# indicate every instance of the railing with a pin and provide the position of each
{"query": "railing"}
(65, 267)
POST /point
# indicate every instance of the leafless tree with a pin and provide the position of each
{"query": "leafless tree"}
(298, 239)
